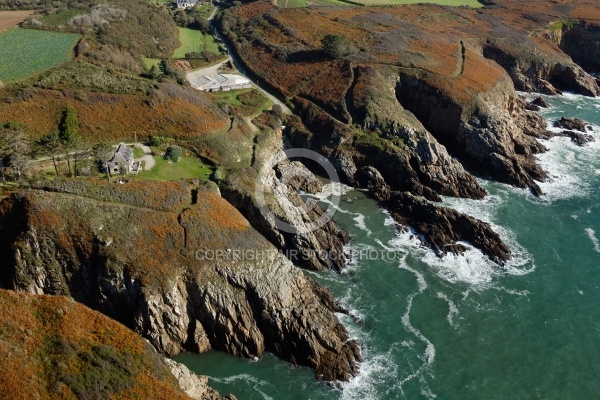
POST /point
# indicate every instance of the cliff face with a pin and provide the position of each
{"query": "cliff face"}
(491, 131)
(420, 87)
(53, 347)
(183, 271)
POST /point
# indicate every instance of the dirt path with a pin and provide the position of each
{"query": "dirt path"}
(460, 65)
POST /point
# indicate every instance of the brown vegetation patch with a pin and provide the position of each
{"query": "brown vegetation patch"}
(112, 117)
(53, 347)
(10, 19)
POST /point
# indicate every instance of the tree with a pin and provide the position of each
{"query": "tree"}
(174, 153)
(337, 46)
(69, 133)
(50, 144)
(14, 149)
(155, 72)
(103, 152)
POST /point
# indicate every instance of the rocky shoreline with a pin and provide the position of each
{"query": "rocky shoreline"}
(184, 271)
(414, 128)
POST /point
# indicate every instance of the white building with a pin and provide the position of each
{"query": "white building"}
(223, 82)
(186, 3)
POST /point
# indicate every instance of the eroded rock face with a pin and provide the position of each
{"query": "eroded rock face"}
(306, 242)
(194, 277)
(582, 42)
(193, 385)
(491, 131)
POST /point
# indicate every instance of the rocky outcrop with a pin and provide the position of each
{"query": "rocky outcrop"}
(196, 387)
(537, 104)
(194, 277)
(269, 197)
(442, 227)
(491, 131)
(575, 124)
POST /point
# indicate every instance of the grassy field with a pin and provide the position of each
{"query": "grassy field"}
(60, 18)
(185, 168)
(25, 52)
(10, 19)
(149, 62)
(195, 41)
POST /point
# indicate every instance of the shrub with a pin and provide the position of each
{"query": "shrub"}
(174, 153)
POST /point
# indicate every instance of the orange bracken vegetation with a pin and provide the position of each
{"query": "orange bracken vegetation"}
(46, 343)
(112, 117)
(223, 214)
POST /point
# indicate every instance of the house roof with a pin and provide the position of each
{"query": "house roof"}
(123, 152)
(219, 81)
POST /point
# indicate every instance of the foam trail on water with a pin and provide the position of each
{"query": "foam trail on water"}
(592, 235)
(429, 354)
(249, 379)
(452, 309)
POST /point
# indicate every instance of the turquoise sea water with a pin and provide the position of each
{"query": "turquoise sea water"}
(461, 327)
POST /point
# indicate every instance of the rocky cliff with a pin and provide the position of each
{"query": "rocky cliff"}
(54, 347)
(175, 263)
(423, 95)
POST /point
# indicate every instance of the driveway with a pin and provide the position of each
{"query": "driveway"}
(147, 158)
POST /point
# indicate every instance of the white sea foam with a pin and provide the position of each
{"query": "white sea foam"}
(376, 371)
(452, 309)
(359, 220)
(252, 381)
(592, 235)
(429, 354)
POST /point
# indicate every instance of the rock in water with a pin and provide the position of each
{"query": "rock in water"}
(572, 124)
(540, 102)
(580, 139)
(443, 227)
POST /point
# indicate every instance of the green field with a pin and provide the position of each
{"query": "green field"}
(149, 62)
(195, 41)
(26, 51)
(185, 168)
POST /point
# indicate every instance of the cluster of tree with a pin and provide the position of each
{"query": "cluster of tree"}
(15, 151)
(191, 18)
(64, 142)
(338, 46)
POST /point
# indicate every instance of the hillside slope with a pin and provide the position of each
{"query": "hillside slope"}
(175, 263)
(52, 347)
